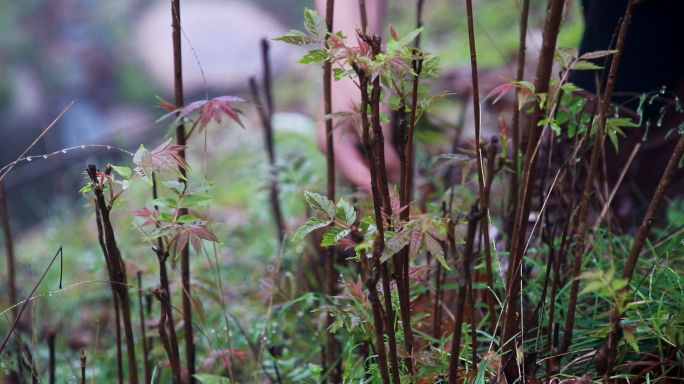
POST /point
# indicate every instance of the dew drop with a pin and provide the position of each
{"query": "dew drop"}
(63, 150)
(225, 328)
(29, 158)
(265, 338)
(7, 372)
(44, 156)
(108, 147)
(301, 313)
(213, 330)
(662, 90)
(50, 294)
(82, 146)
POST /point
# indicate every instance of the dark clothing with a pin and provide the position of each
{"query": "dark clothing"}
(653, 55)
(653, 58)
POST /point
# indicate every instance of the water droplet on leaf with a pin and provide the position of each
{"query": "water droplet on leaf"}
(29, 158)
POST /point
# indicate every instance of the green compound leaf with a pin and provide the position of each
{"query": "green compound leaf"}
(345, 212)
(314, 24)
(333, 235)
(165, 202)
(122, 171)
(320, 204)
(314, 56)
(176, 186)
(295, 37)
(310, 225)
(195, 201)
(199, 187)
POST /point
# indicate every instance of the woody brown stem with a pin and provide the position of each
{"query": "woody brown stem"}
(463, 277)
(117, 272)
(510, 323)
(163, 297)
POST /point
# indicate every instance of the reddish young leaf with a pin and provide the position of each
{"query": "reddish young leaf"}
(393, 33)
(151, 215)
(356, 290)
(523, 94)
(416, 244)
(182, 240)
(394, 201)
(196, 244)
(194, 231)
(163, 104)
(166, 158)
(500, 91)
(363, 46)
(420, 273)
(399, 62)
(212, 108)
(336, 42)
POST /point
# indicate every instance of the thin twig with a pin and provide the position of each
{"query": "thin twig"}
(606, 206)
(146, 358)
(16, 319)
(38, 139)
(266, 120)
